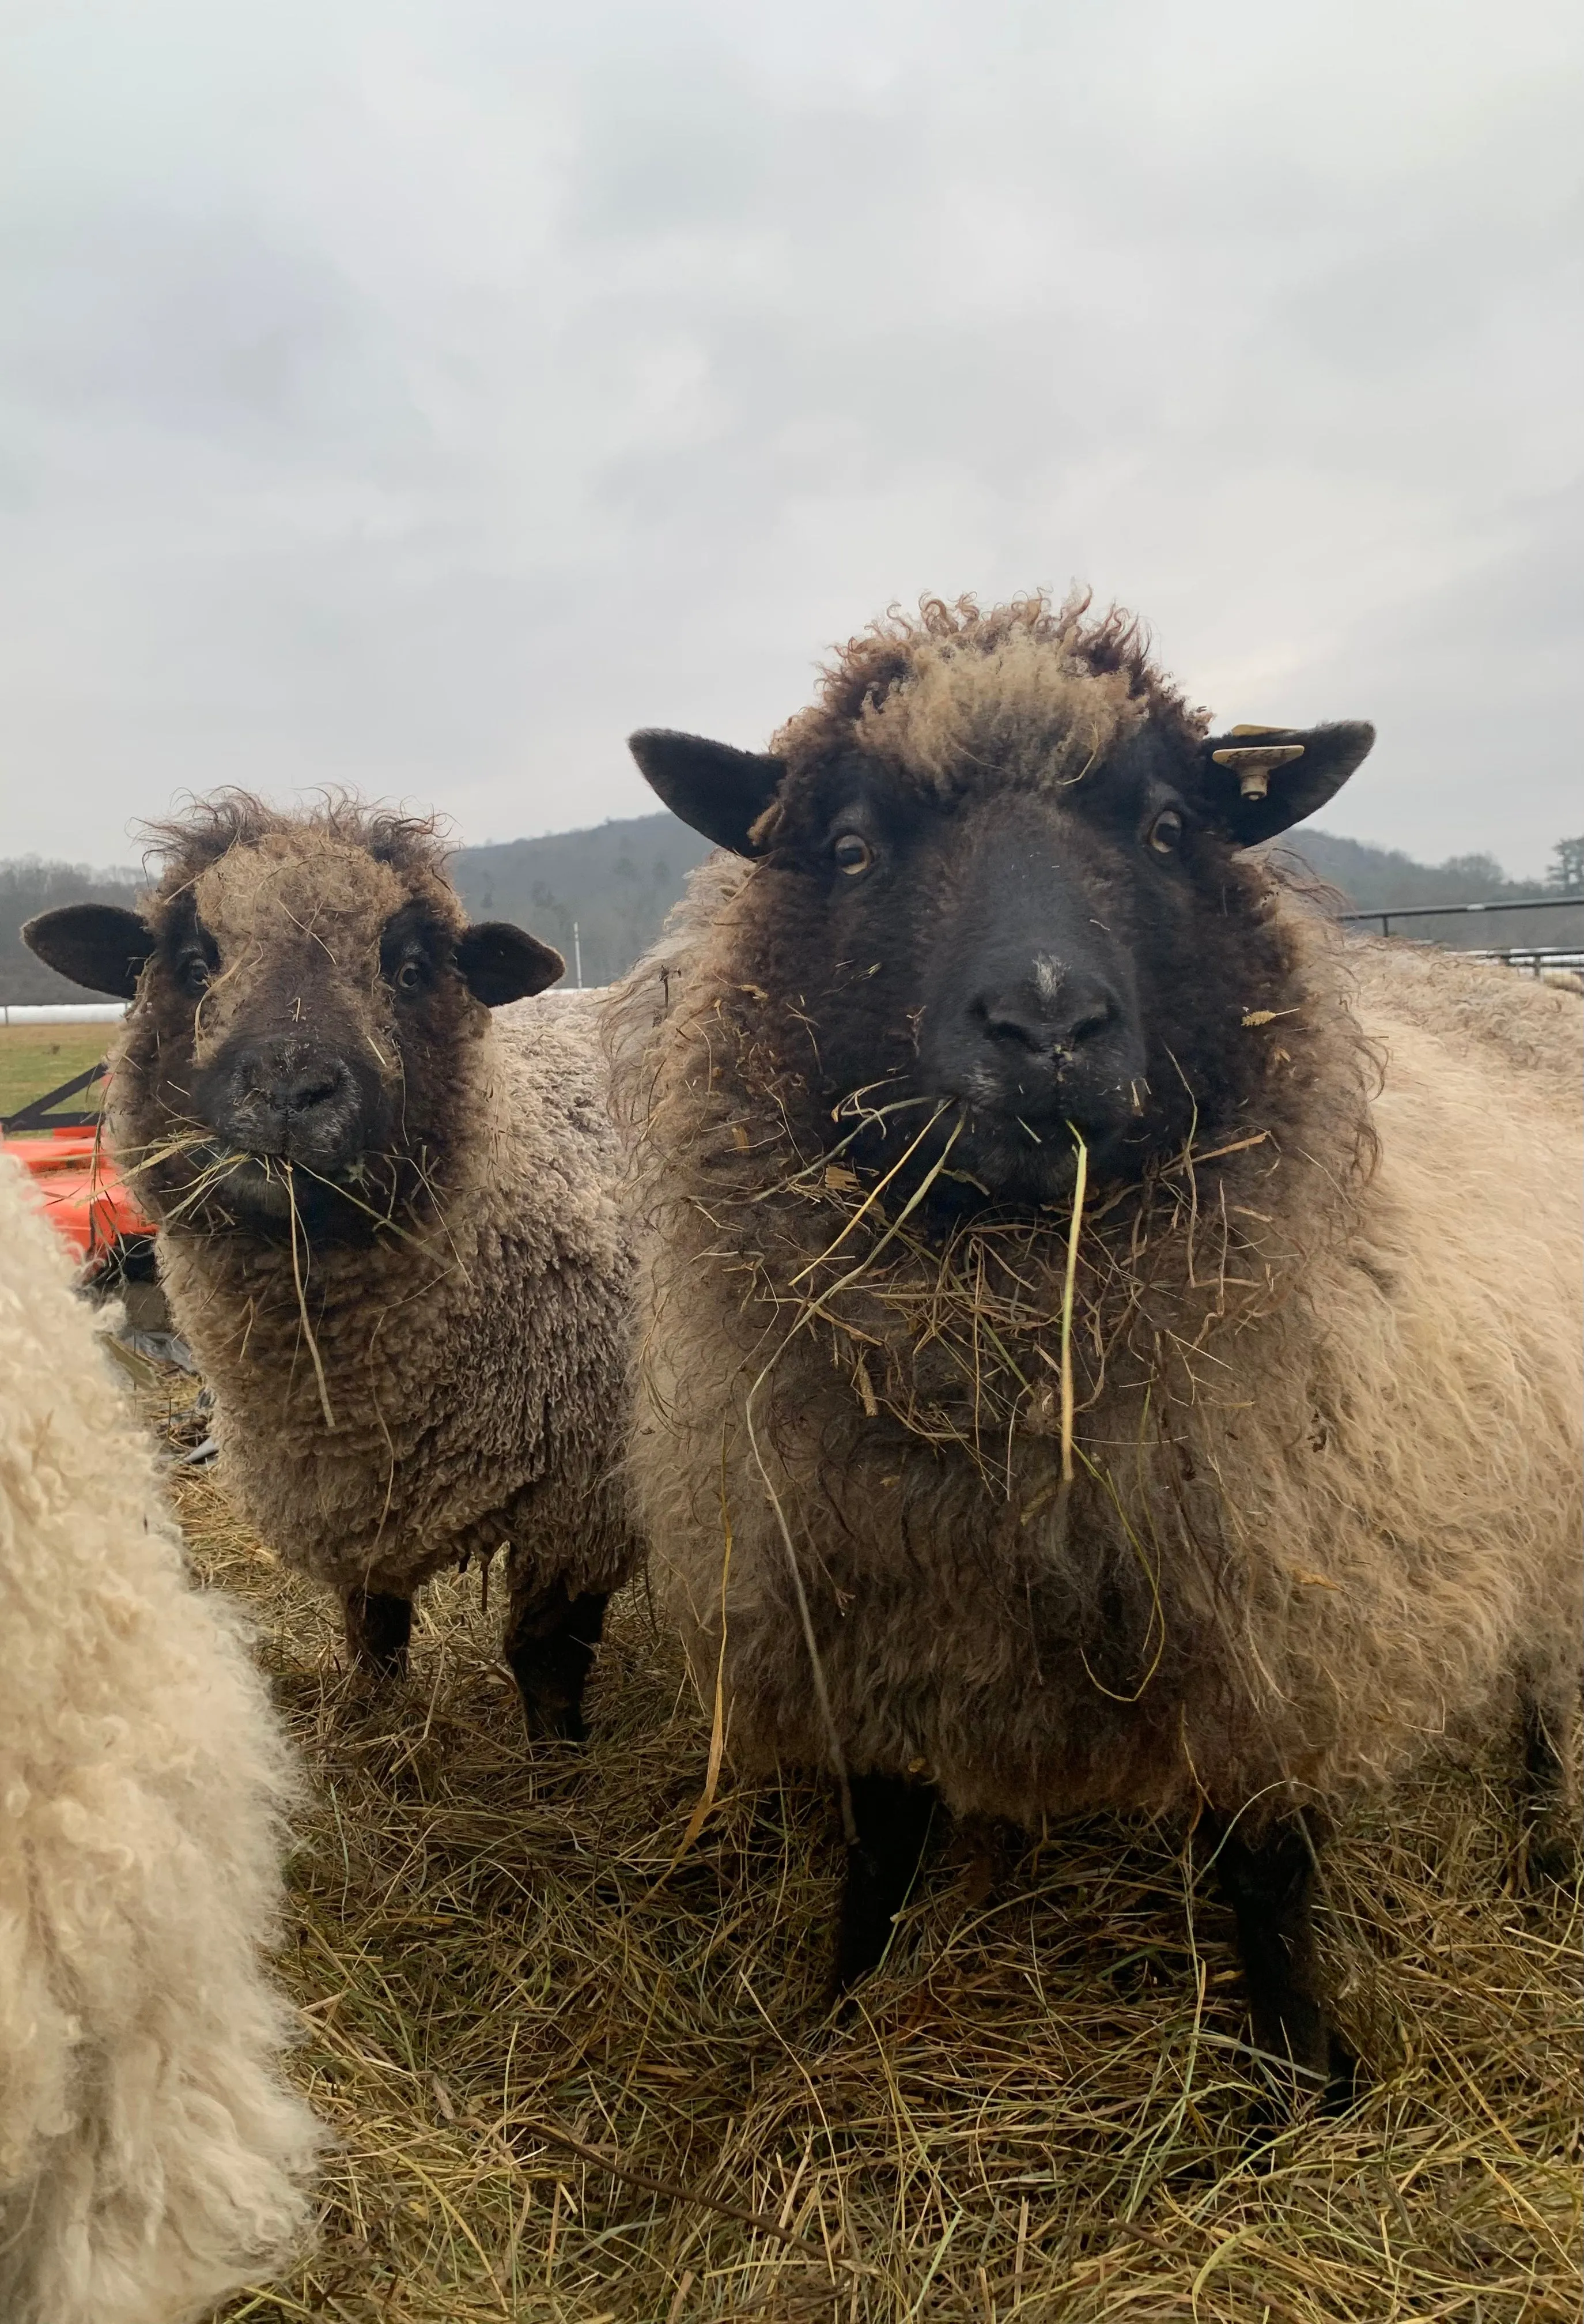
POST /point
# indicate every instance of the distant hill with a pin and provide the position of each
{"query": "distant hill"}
(615, 884)
(1372, 879)
(28, 887)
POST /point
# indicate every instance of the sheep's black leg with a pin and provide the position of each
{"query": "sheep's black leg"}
(1270, 1886)
(551, 1643)
(379, 1628)
(1549, 1815)
(893, 1819)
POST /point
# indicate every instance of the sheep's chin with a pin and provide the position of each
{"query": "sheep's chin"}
(256, 1186)
(1010, 1166)
(250, 1194)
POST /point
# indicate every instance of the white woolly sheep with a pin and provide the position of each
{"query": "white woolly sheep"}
(1072, 1378)
(151, 2156)
(386, 1224)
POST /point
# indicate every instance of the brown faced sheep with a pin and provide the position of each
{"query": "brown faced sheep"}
(1073, 1379)
(386, 1224)
(151, 2157)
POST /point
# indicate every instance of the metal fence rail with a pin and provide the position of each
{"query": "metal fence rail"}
(1574, 903)
(62, 1012)
(1533, 958)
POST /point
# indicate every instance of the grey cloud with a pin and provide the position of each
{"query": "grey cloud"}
(1475, 690)
(427, 405)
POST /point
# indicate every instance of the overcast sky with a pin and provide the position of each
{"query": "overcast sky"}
(420, 396)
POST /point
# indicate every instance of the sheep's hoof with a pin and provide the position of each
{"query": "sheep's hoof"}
(1270, 1886)
(549, 1650)
(1317, 2061)
(1344, 2077)
(379, 1630)
(1548, 1852)
(1330, 2089)
(892, 1818)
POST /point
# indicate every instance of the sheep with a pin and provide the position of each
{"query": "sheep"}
(386, 1224)
(1108, 1343)
(152, 2158)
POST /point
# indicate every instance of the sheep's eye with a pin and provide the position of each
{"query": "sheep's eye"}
(851, 854)
(1167, 831)
(409, 976)
(195, 974)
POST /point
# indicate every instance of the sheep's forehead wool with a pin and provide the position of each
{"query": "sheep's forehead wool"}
(1022, 711)
(297, 918)
(291, 888)
(1021, 696)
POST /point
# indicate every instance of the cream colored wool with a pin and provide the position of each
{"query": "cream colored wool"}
(1335, 1514)
(473, 1366)
(151, 2156)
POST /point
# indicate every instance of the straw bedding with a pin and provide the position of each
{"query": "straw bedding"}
(1041, 2110)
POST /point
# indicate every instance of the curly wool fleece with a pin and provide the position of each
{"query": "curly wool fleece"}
(151, 2156)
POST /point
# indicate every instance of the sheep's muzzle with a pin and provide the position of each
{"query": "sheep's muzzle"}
(283, 1098)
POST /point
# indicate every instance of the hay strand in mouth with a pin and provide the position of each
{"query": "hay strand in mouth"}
(877, 1191)
(981, 1327)
(308, 1329)
(1068, 1286)
(385, 1221)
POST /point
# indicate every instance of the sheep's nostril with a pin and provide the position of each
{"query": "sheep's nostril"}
(309, 1084)
(300, 1095)
(1016, 1031)
(1093, 1021)
(296, 1089)
(1041, 1026)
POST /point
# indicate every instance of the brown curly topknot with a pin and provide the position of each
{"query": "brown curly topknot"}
(920, 689)
(178, 849)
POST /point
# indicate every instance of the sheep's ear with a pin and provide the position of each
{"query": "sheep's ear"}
(500, 963)
(98, 946)
(1257, 781)
(717, 790)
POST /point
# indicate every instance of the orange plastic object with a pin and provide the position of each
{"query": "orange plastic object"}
(82, 1189)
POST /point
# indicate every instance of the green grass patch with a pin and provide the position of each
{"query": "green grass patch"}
(34, 1059)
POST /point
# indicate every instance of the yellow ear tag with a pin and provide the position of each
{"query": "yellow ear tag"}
(1255, 768)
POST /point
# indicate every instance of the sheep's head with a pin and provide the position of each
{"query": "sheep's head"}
(307, 996)
(1000, 881)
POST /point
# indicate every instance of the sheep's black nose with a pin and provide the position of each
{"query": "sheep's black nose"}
(1048, 1016)
(291, 1096)
(298, 1088)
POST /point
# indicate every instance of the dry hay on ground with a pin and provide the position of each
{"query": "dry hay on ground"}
(1041, 2110)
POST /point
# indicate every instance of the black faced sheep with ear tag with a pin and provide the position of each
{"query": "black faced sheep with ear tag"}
(1128, 1339)
(387, 1218)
